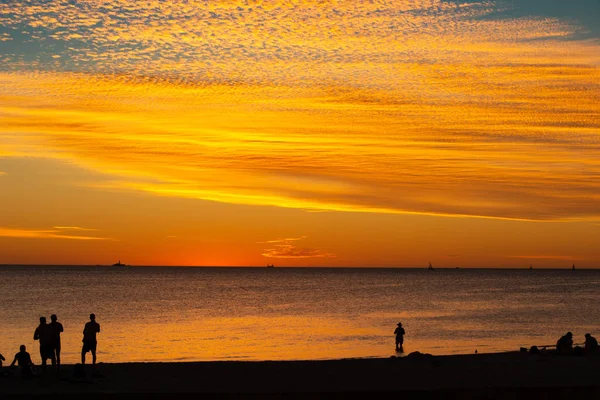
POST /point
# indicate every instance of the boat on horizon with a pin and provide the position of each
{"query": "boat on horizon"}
(430, 268)
(573, 267)
(270, 266)
(119, 264)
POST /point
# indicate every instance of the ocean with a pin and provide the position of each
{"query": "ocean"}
(205, 314)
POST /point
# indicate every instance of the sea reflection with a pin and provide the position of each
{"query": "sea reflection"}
(179, 314)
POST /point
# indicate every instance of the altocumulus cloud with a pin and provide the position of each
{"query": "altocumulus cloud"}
(403, 106)
(287, 248)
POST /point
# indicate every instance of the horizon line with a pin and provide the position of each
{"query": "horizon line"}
(293, 267)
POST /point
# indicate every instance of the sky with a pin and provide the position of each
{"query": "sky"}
(387, 133)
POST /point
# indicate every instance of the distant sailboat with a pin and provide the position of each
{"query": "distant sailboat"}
(573, 267)
(118, 264)
(530, 266)
(430, 266)
(270, 266)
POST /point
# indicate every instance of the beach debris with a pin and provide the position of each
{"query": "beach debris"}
(417, 355)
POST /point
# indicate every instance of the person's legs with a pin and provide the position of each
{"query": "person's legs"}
(94, 356)
(47, 352)
(83, 354)
(44, 357)
(52, 356)
(57, 356)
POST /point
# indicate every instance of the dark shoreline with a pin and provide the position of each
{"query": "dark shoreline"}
(490, 376)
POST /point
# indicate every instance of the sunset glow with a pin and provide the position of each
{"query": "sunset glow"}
(317, 133)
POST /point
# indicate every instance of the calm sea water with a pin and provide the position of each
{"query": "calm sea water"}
(185, 314)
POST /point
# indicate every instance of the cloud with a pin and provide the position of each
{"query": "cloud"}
(55, 233)
(546, 257)
(424, 106)
(230, 42)
(287, 240)
(286, 248)
(295, 150)
(74, 228)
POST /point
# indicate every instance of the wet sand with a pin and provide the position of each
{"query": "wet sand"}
(489, 376)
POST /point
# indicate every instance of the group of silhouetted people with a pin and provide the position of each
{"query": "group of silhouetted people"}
(564, 345)
(48, 336)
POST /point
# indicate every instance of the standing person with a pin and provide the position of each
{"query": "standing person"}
(24, 360)
(43, 333)
(399, 337)
(591, 344)
(57, 328)
(89, 338)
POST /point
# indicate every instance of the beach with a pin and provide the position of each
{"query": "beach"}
(500, 375)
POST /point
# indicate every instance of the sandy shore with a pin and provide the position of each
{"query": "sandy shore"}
(490, 376)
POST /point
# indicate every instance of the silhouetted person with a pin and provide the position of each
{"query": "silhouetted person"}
(24, 361)
(565, 344)
(399, 337)
(591, 344)
(89, 338)
(44, 334)
(57, 328)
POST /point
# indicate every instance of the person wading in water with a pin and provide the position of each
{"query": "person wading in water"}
(399, 337)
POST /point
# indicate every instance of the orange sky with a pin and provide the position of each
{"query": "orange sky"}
(298, 133)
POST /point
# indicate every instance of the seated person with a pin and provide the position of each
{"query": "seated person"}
(591, 344)
(565, 344)
(24, 360)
